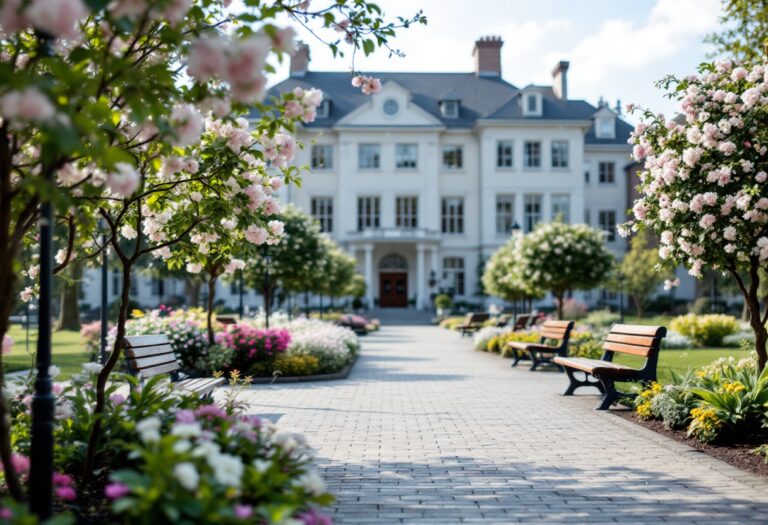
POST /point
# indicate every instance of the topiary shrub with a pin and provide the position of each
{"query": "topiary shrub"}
(601, 318)
(705, 330)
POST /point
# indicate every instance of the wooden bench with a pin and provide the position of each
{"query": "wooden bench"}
(152, 355)
(472, 323)
(226, 320)
(503, 320)
(521, 323)
(541, 352)
(603, 373)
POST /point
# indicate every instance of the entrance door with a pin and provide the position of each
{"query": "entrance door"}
(393, 290)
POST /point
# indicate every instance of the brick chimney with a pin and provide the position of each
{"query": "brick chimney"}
(300, 60)
(560, 80)
(487, 54)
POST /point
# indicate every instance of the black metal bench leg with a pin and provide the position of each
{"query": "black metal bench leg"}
(515, 356)
(610, 396)
(535, 361)
(575, 383)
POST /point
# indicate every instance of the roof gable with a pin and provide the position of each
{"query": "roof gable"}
(374, 112)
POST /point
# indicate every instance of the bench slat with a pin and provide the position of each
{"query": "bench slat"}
(147, 362)
(622, 348)
(639, 340)
(146, 340)
(160, 369)
(557, 324)
(634, 329)
(147, 351)
(550, 334)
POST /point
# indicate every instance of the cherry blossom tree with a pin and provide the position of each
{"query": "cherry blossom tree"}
(703, 188)
(99, 100)
(561, 257)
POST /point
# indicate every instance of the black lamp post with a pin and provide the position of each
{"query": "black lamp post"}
(714, 293)
(104, 293)
(515, 229)
(43, 401)
(240, 290)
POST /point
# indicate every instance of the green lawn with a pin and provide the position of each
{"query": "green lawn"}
(683, 360)
(68, 351)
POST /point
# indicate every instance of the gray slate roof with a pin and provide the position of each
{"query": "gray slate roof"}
(481, 98)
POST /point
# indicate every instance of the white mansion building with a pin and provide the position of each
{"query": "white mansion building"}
(424, 180)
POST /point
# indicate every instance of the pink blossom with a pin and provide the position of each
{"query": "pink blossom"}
(762, 204)
(20, 463)
(245, 68)
(207, 59)
(727, 147)
(276, 227)
(638, 152)
(62, 480)
(7, 344)
(66, 493)
(271, 207)
(729, 233)
(243, 512)
(293, 109)
(6, 513)
(117, 399)
(29, 105)
(691, 156)
(128, 8)
(57, 17)
(172, 166)
(116, 490)
(12, 17)
(124, 180)
(187, 124)
(283, 41)
(761, 176)
(707, 221)
(175, 10)
(233, 265)
(276, 183)
(191, 166)
(256, 235)
(372, 86)
(640, 209)
(751, 96)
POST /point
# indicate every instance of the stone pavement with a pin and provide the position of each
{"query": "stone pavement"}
(428, 431)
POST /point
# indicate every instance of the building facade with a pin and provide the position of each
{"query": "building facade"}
(424, 180)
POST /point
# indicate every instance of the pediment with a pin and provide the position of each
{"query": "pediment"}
(392, 106)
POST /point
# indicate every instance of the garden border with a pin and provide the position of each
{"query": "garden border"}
(341, 374)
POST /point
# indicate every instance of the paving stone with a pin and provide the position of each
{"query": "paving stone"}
(426, 430)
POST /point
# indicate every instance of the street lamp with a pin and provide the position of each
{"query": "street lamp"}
(43, 401)
(515, 229)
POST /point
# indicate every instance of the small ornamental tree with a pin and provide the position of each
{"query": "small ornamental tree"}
(294, 264)
(562, 257)
(338, 272)
(503, 277)
(640, 272)
(704, 190)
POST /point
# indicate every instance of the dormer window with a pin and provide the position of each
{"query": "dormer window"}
(324, 109)
(606, 128)
(450, 108)
(531, 104)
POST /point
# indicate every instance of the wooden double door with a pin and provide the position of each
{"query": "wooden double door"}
(393, 289)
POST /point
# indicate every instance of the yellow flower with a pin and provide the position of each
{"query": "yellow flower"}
(644, 410)
(137, 314)
(732, 388)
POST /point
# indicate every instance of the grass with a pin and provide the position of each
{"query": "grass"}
(68, 351)
(683, 360)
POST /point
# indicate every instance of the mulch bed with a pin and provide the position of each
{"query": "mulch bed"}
(738, 454)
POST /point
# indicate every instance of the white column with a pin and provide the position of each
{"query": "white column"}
(369, 274)
(421, 285)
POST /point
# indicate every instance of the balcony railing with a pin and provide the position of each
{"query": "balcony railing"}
(395, 234)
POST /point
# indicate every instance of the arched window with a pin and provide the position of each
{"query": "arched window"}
(393, 261)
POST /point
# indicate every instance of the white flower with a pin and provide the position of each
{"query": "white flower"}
(186, 474)
(149, 429)
(54, 371)
(261, 465)
(92, 368)
(311, 482)
(227, 469)
(187, 430)
(194, 267)
(128, 232)
(182, 446)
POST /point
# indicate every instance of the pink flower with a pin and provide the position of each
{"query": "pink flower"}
(293, 109)
(245, 68)
(20, 463)
(207, 58)
(372, 86)
(175, 10)
(62, 480)
(729, 233)
(243, 512)
(7, 344)
(30, 105)
(276, 227)
(116, 490)
(691, 156)
(751, 96)
(283, 41)
(707, 221)
(187, 123)
(6, 513)
(276, 183)
(727, 147)
(117, 399)
(57, 17)
(12, 17)
(124, 180)
(761, 176)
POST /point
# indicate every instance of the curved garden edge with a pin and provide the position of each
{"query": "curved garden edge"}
(341, 374)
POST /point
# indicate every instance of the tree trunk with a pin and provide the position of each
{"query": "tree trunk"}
(559, 301)
(639, 307)
(752, 302)
(211, 300)
(69, 316)
(101, 381)
(192, 291)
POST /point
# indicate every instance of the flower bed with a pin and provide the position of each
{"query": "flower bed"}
(167, 457)
(302, 347)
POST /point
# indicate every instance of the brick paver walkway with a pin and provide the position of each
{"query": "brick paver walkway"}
(426, 430)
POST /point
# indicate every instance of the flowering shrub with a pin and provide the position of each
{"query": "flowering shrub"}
(250, 345)
(334, 346)
(90, 333)
(644, 401)
(562, 257)
(287, 365)
(601, 318)
(584, 343)
(738, 339)
(483, 336)
(573, 309)
(703, 188)
(500, 343)
(451, 323)
(705, 330)
(676, 341)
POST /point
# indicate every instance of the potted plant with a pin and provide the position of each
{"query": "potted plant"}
(443, 304)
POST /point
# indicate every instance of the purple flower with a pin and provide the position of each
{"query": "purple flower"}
(243, 512)
(116, 490)
(313, 517)
(66, 493)
(185, 416)
(117, 399)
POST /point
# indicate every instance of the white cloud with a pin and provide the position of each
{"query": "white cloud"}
(621, 45)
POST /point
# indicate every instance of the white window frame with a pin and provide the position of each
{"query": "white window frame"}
(561, 203)
(375, 150)
(368, 212)
(528, 156)
(505, 159)
(407, 156)
(607, 222)
(560, 150)
(452, 215)
(407, 212)
(505, 213)
(602, 177)
(450, 108)
(317, 154)
(453, 274)
(530, 217)
(321, 208)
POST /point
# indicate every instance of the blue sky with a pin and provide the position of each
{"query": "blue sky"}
(617, 48)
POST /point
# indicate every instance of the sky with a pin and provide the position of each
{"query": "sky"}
(617, 49)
